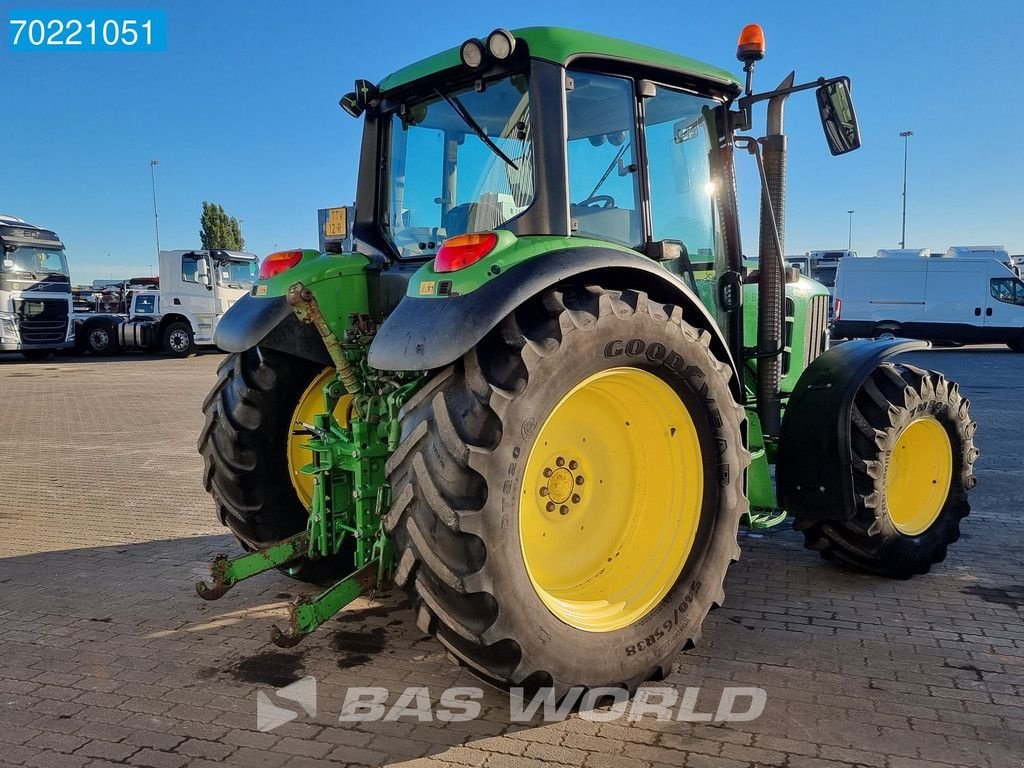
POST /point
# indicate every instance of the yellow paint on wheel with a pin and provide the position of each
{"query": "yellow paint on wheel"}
(919, 476)
(611, 500)
(309, 405)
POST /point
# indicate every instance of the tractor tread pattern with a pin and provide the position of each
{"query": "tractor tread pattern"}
(439, 491)
(241, 443)
(892, 396)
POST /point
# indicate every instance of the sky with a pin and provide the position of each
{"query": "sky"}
(241, 109)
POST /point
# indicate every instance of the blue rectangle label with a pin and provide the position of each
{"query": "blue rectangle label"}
(84, 30)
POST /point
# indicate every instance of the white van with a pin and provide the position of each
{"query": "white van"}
(949, 298)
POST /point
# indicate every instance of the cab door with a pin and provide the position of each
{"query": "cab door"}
(1004, 309)
(195, 295)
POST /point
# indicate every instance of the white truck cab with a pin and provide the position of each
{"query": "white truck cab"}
(35, 290)
(196, 288)
(199, 286)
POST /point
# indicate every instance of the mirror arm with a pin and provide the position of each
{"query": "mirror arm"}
(746, 101)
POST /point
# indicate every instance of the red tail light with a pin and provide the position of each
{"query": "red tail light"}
(276, 263)
(461, 251)
(839, 307)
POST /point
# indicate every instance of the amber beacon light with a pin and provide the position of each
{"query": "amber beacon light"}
(750, 46)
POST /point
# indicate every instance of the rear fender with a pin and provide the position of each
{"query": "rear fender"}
(263, 317)
(428, 333)
(814, 471)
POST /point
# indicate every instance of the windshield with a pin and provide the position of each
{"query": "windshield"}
(461, 161)
(236, 274)
(35, 263)
(826, 276)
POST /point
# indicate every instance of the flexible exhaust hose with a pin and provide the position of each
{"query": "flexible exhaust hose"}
(772, 284)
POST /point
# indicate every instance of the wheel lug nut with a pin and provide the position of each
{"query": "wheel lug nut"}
(550, 506)
(576, 499)
(560, 461)
(547, 472)
(579, 480)
(573, 464)
(544, 491)
(564, 510)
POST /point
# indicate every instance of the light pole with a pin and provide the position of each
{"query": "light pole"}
(906, 143)
(849, 241)
(156, 216)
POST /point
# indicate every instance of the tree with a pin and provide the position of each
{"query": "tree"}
(218, 230)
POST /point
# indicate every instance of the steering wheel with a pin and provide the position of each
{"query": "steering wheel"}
(608, 200)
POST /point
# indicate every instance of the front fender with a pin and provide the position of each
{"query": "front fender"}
(814, 470)
(427, 333)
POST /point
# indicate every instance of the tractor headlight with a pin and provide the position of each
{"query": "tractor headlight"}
(472, 53)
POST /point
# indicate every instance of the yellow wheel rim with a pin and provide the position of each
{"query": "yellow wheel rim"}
(310, 404)
(611, 500)
(919, 476)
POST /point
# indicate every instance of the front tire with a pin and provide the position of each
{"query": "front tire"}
(246, 444)
(178, 340)
(538, 560)
(913, 464)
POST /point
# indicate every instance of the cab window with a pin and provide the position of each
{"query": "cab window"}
(603, 175)
(679, 169)
(190, 268)
(1008, 290)
(145, 305)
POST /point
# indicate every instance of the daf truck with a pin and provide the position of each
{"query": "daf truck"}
(196, 288)
(35, 291)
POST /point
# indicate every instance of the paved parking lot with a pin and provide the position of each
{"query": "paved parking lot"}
(108, 657)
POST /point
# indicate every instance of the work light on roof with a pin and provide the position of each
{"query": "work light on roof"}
(472, 53)
(501, 43)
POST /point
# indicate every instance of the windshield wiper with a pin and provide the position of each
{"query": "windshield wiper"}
(608, 172)
(460, 109)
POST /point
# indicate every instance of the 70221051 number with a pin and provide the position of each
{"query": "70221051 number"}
(67, 30)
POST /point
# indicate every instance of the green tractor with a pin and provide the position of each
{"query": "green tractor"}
(533, 382)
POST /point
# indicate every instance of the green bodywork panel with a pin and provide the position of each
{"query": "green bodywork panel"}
(761, 488)
(801, 292)
(561, 46)
(338, 279)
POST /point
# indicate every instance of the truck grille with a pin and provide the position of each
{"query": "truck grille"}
(817, 328)
(42, 321)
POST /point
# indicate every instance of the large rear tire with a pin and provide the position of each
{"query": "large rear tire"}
(913, 464)
(539, 559)
(247, 447)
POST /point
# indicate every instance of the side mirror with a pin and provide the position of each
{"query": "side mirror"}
(838, 119)
(355, 102)
(203, 270)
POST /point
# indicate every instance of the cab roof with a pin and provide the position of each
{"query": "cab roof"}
(560, 46)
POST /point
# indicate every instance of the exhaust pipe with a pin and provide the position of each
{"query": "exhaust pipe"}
(771, 254)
